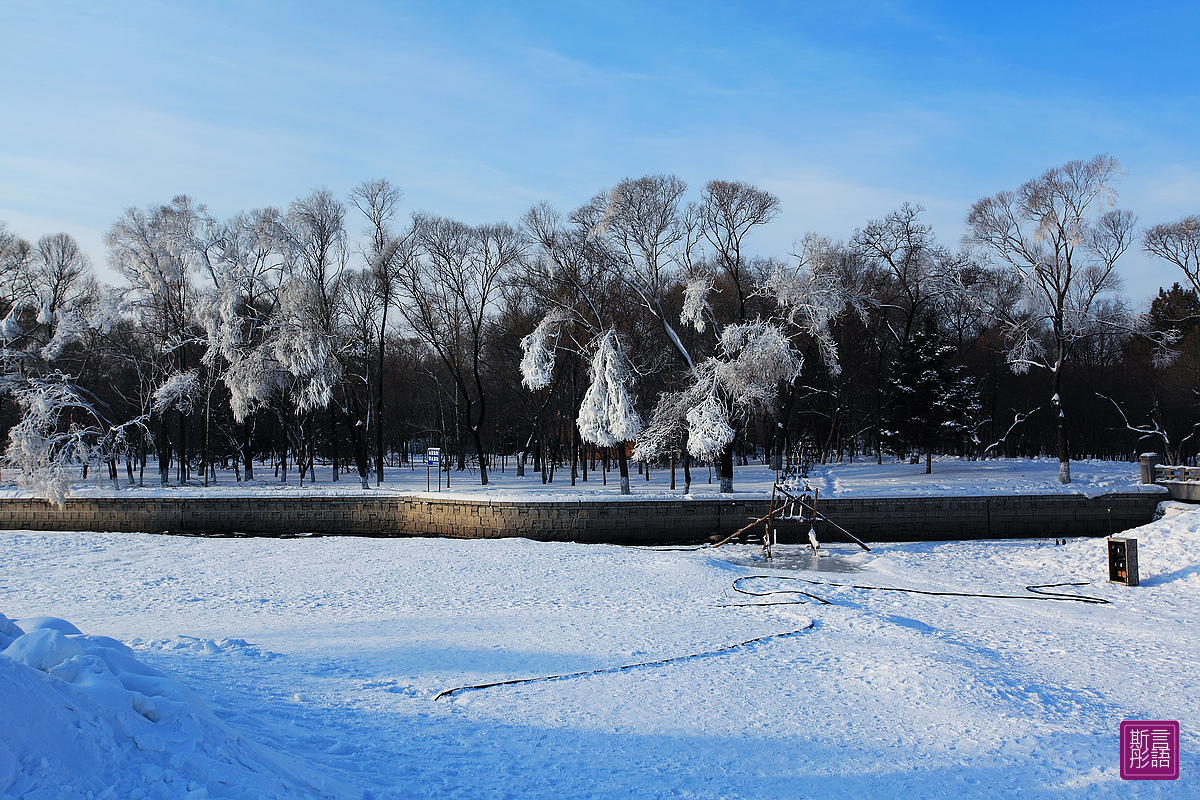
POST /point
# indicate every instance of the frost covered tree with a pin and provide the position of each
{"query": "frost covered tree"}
(53, 305)
(639, 240)
(751, 364)
(303, 334)
(448, 298)
(153, 249)
(570, 284)
(648, 239)
(648, 243)
(728, 212)
(233, 307)
(608, 416)
(46, 454)
(361, 309)
(15, 254)
(388, 252)
(808, 298)
(1178, 243)
(1058, 239)
(50, 295)
(626, 249)
(60, 280)
(915, 272)
(742, 378)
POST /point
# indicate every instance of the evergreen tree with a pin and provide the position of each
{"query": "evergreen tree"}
(1175, 309)
(932, 400)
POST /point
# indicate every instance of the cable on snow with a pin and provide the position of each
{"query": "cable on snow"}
(726, 649)
(1036, 591)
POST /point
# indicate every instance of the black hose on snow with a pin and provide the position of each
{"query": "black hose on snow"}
(660, 662)
(1035, 594)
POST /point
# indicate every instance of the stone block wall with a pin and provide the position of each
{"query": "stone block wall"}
(988, 517)
(619, 522)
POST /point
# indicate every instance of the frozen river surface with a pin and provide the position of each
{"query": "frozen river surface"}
(310, 667)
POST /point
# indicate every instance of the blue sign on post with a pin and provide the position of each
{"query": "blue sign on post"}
(433, 458)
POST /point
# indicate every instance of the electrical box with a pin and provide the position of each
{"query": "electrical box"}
(1122, 561)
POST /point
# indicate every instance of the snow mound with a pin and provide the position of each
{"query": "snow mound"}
(1169, 547)
(83, 718)
(202, 647)
(30, 624)
(1168, 551)
(8, 631)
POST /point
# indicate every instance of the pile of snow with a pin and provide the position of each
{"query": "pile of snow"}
(83, 718)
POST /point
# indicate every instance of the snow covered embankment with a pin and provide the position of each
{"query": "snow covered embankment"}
(82, 718)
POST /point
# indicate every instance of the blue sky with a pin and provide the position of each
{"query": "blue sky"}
(478, 110)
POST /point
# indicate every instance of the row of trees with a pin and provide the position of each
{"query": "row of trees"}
(637, 326)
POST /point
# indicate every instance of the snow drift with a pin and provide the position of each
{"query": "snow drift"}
(84, 718)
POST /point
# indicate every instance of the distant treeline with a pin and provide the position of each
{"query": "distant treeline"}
(633, 328)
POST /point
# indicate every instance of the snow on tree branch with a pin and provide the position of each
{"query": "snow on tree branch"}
(758, 357)
(44, 456)
(607, 416)
(695, 301)
(666, 428)
(813, 294)
(1026, 351)
(177, 391)
(252, 381)
(539, 348)
(709, 431)
(70, 328)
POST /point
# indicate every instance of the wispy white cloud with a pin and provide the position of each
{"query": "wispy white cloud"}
(479, 110)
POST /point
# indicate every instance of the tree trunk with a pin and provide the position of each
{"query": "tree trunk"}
(164, 457)
(483, 470)
(207, 420)
(1064, 455)
(181, 461)
(623, 461)
(929, 462)
(574, 453)
(725, 463)
(247, 454)
(358, 442)
(333, 441)
(379, 397)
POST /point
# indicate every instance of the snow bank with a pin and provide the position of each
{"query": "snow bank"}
(83, 718)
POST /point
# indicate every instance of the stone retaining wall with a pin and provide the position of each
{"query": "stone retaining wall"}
(622, 522)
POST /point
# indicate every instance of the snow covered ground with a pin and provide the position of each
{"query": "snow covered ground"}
(951, 476)
(311, 667)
